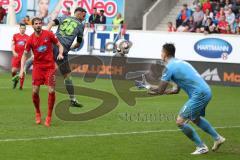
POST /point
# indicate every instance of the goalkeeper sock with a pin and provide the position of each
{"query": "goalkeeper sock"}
(51, 101)
(70, 88)
(36, 102)
(191, 133)
(207, 127)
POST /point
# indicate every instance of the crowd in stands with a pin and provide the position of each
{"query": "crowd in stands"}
(209, 16)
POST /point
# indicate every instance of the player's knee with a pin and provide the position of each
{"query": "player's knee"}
(51, 90)
(14, 70)
(196, 121)
(35, 90)
(67, 79)
(67, 76)
(180, 121)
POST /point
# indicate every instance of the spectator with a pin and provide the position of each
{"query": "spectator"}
(198, 30)
(222, 3)
(3, 13)
(198, 16)
(207, 6)
(207, 15)
(102, 18)
(117, 21)
(102, 21)
(94, 18)
(238, 14)
(222, 25)
(235, 25)
(171, 28)
(209, 26)
(228, 4)
(195, 4)
(220, 14)
(238, 30)
(236, 6)
(215, 6)
(230, 18)
(27, 21)
(183, 16)
(191, 25)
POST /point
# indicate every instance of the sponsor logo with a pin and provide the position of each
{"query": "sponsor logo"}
(213, 48)
(213, 75)
(231, 77)
(97, 69)
(21, 43)
(42, 49)
(110, 7)
(101, 40)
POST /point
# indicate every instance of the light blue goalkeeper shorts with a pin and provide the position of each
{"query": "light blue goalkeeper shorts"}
(195, 106)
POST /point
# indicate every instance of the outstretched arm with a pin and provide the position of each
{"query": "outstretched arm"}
(173, 90)
(78, 43)
(51, 24)
(60, 47)
(162, 89)
(158, 90)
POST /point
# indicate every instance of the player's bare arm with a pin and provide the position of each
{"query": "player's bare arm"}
(23, 61)
(60, 55)
(75, 45)
(160, 90)
(174, 90)
(50, 25)
(78, 43)
(13, 49)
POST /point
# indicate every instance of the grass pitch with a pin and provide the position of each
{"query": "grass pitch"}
(126, 133)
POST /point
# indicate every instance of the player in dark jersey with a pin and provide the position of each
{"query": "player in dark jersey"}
(69, 28)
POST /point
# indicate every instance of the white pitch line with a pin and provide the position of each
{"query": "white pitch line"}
(100, 135)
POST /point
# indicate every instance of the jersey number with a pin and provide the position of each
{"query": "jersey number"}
(68, 26)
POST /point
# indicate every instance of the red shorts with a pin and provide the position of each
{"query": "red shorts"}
(43, 76)
(16, 62)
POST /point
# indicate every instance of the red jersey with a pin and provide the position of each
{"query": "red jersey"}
(184, 15)
(223, 24)
(19, 43)
(207, 5)
(42, 47)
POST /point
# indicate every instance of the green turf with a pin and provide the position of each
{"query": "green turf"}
(17, 122)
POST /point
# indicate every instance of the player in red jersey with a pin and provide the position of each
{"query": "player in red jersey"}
(41, 43)
(18, 45)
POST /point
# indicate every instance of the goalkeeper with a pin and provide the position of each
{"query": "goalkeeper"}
(187, 78)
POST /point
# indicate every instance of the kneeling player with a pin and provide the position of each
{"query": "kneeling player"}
(41, 42)
(187, 78)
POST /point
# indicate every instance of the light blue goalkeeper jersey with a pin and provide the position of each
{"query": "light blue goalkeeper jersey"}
(186, 77)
